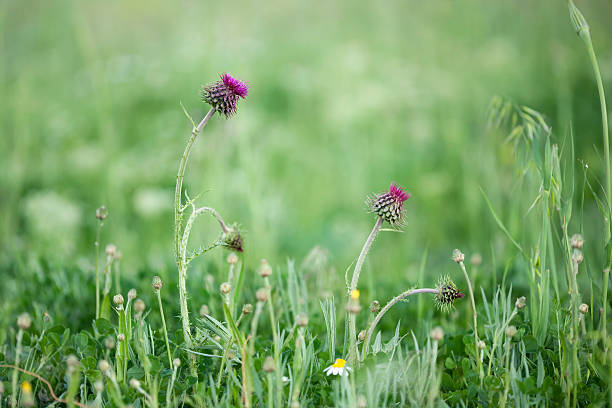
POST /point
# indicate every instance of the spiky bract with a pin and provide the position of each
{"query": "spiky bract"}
(447, 294)
(223, 95)
(389, 205)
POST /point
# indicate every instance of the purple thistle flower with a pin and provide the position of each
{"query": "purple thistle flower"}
(389, 205)
(223, 95)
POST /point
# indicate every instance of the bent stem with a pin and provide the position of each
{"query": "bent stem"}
(385, 309)
(178, 221)
(353, 352)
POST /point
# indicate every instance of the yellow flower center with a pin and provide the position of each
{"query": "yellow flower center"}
(339, 363)
(355, 294)
(26, 387)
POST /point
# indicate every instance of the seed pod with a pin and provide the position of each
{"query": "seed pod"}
(375, 307)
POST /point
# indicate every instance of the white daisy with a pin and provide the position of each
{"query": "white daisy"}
(338, 368)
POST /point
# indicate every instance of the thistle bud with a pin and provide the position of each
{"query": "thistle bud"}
(458, 256)
(268, 365)
(156, 283)
(437, 334)
(111, 250)
(132, 294)
(261, 295)
(204, 311)
(225, 288)
(109, 343)
(447, 294)
(176, 363)
(24, 321)
(265, 269)
(362, 335)
(511, 331)
(103, 366)
(580, 24)
(223, 95)
(389, 205)
(118, 299)
(247, 309)
(139, 306)
(232, 258)
(121, 337)
(481, 345)
(72, 363)
(584, 308)
(576, 241)
(101, 213)
(301, 320)
(375, 307)
(521, 302)
(232, 239)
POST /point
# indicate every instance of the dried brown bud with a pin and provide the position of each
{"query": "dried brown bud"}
(118, 299)
(584, 308)
(375, 307)
(139, 306)
(226, 288)
(261, 294)
(132, 294)
(157, 283)
(247, 309)
(301, 320)
(437, 334)
(576, 241)
(458, 256)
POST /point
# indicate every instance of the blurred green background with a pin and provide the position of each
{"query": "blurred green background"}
(345, 97)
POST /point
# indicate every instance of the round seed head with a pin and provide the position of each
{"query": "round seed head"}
(232, 258)
(24, 321)
(176, 363)
(247, 309)
(437, 334)
(362, 335)
(204, 311)
(226, 288)
(584, 308)
(265, 269)
(301, 320)
(476, 259)
(458, 256)
(134, 383)
(99, 386)
(139, 306)
(109, 343)
(101, 213)
(389, 205)
(511, 331)
(223, 95)
(261, 295)
(156, 283)
(118, 299)
(481, 345)
(447, 294)
(132, 294)
(375, 307)
(521, 302)
(111, 250)
(120, 337)
(576, 241)
(103, 366)
(268, 365)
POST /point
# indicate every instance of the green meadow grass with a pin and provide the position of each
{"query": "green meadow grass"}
(344, 98)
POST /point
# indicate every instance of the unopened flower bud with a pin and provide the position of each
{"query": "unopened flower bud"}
(268, 365)
(134, 383)
(511, 331)
(111, 250)
(301, 320)
(521, 302)
(481, 345)
(101, 213)
(226, 288)
(157, 283)
(261, 294)
(132, 294)
(109, 343)
(265, 269)
(576, 241)
(120, 337)
(247, 309)
(232, 258)
(584, 308)
(204, 311)
(437, 334)
(24, 321)
(176, 363)
(103, 366)
(375, 307)
(362, 335)
(458, 256)
(139, 306)
(118, 299)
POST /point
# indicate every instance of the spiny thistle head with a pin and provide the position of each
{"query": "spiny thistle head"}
(447, 294)
(232, 239)
(389, 205)
(223, 95)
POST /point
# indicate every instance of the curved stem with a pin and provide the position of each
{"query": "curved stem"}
(385, 309)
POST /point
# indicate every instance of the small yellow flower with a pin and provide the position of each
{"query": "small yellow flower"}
(26, 387)
(355, 294)
(338, 368)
